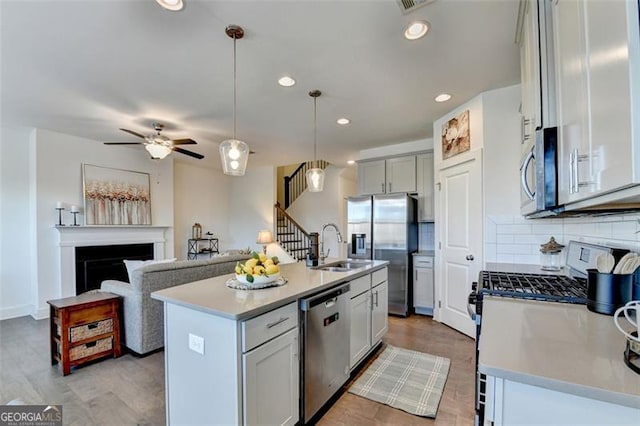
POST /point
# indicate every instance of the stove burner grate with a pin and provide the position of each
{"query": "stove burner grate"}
(553, 288)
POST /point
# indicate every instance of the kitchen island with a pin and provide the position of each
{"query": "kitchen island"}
(232, 356)
(554, 363)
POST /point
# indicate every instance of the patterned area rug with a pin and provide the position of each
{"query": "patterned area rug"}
(409, 380)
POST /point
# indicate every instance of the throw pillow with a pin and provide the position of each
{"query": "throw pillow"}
(132, 265)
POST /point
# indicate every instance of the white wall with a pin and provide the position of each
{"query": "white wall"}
(16, 259)
(201, 195)
(47, 167)
(251, 201)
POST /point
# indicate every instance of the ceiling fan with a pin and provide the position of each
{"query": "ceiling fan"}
(159, 146)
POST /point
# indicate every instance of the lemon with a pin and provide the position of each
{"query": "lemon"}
(267, 262)
(238, 269)
(262, 257)
(247, 270)
(272, 269)
(251, 263)
(258, 270)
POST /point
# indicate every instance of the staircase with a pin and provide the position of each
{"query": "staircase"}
(291, 236)
(296, 183)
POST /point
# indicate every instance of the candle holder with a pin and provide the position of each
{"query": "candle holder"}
(60, 210)
(75, 218)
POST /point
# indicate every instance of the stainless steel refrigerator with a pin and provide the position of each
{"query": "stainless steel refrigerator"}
(384, 227)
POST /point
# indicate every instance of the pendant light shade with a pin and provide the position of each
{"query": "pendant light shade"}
(234, 155)
(157, 152)
(233, 152)
(315, 176)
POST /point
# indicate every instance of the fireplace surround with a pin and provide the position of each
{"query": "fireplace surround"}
(72, 237)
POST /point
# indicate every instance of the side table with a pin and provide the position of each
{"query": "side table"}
(84, 328)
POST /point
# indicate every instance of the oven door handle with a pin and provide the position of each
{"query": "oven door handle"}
(471, 302)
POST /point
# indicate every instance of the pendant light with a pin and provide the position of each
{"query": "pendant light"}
(233, 152)
(315, 176)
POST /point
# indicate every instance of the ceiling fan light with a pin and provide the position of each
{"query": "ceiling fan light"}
(157, 152)
(315, 180)
(234, 155)
(172, 5)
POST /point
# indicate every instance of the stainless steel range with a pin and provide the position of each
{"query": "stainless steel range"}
(563, 288)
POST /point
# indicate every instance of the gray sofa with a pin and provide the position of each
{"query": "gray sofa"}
(144, 316)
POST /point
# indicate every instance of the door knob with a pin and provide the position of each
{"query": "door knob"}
(469, 257)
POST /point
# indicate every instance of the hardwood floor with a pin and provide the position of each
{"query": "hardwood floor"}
(130, 390)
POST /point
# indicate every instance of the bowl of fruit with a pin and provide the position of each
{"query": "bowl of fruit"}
(258, 270)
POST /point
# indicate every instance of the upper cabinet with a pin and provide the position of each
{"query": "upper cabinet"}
(530, 71)
(424, 183)
(387, 176)
(597, 54)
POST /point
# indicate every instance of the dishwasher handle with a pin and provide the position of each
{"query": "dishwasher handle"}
(326, 296)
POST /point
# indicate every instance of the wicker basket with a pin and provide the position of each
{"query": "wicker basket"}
(87, 331)
(91, 348)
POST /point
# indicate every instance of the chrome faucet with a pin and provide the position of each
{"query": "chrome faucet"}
(324, 255)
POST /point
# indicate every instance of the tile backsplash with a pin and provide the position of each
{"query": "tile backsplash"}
(514, 239)
(426, 236)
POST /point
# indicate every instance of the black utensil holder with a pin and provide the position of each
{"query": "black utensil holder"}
(608, 292)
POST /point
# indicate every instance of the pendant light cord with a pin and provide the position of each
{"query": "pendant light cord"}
(315, 131)
(234, 86)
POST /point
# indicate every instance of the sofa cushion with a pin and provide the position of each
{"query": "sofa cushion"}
(131, 265)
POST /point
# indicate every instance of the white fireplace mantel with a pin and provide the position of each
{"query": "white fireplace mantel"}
(71, 237)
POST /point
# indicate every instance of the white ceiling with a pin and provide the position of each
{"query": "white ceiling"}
(87, 68)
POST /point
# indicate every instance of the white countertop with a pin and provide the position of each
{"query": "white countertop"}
(558, 346)
(214, 297)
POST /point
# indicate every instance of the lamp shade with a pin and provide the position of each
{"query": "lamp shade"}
(157, 151)
(234, 155)
(265, 237)
(315, 180)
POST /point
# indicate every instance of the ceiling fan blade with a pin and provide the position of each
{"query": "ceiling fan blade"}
(131, 132)
(189, 153)
(183, 142)
(123, 143)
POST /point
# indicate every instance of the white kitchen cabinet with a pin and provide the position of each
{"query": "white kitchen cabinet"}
(360, 327)
(393, 175)
(401, 174)
(369, 311)
(271, 382)
(425, 186)
(513, 403)
(371, 177)
(379, 311)
(530, 72)
(597, 53)
(423, 295)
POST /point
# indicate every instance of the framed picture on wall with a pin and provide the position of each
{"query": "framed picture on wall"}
(115, 196)
(456, 136)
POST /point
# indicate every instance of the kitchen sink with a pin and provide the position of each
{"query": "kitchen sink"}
(344, 265)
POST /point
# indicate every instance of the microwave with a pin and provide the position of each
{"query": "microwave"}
(539, 175)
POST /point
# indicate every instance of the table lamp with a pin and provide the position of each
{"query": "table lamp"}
(264, 237)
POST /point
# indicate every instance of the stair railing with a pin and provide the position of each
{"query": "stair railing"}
(290, 234)
(296, 183)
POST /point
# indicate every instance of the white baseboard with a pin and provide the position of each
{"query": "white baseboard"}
(41, 313)
(15, 311)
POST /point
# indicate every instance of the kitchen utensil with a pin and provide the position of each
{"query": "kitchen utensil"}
(623, 261)
(630, 265)
(632, 306)
(605, 263)
(607, 292)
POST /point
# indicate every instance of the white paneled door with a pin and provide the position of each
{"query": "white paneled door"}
(461, 217)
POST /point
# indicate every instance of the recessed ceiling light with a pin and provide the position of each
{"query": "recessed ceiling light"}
(173, 5)
(416, 30)
(351, 162)
(443, 97)
(286, 81)
(343, 121)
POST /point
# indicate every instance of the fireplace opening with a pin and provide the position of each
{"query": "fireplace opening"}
(95, 264)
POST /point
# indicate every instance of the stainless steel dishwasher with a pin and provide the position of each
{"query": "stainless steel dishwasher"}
(326, 342)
